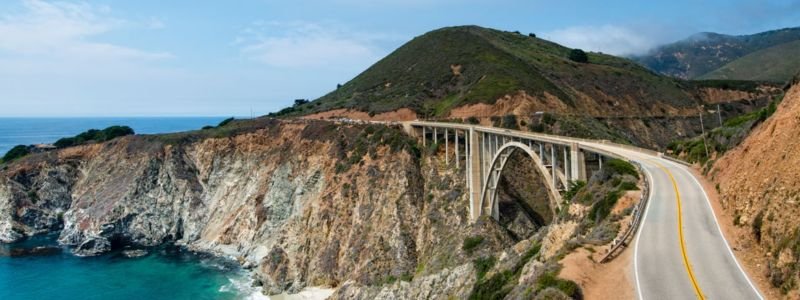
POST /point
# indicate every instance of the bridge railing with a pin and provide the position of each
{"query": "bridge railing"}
(638, 212)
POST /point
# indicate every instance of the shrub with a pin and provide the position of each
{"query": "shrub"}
(470, 243)
(533, 35)
(622, 167)
(758, 221)
(483, 265)
(33, 196)
(95, 135)
(510, 122)
(538, 127)
(226, 122)
(473, 120)
(548, 119)
(17, 152)
(575, 186)
(577, 55)
(602, 208)
(549, 279)
(628, 186)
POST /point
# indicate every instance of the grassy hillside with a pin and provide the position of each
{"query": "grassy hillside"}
(777, 64)
(703, 53)
(455, 66)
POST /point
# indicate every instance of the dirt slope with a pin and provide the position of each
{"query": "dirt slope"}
(759, 184)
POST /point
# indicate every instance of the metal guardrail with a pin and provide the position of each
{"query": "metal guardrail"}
(638, 212)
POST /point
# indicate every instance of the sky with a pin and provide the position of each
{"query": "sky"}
(226, 58)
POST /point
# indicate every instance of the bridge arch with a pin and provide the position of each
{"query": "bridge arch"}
(488, 199)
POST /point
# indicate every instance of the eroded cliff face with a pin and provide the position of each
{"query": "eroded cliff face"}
(759, 183)
(359, 208)
(289, 197)
(302, 203)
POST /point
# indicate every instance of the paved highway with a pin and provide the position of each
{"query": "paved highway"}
(680, 252)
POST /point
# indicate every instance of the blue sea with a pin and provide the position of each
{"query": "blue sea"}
(165, 273)
(27, 131)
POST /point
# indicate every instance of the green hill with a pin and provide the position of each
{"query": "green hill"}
(703, 53)
(777, 64)
(455, 66)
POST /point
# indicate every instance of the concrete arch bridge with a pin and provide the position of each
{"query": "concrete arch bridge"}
(484, 152)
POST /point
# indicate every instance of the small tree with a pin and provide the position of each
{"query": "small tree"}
(577, 55)
(533, 35)
(298, 102)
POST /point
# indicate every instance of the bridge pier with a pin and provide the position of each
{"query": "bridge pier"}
(475, 179)
(578, 166)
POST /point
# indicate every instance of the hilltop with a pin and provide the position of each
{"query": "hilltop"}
(508, 79)
(716, 56)
(457, 66)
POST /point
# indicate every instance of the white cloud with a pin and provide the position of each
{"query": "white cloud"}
(64, 30)
(305, 44)
(610, 39)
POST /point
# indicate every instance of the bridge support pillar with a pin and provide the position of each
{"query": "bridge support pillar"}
(474, 170)
(577, 163)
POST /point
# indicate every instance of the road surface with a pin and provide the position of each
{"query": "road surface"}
(680, 252)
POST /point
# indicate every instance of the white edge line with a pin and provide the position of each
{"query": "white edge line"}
(641, 229)
(725, 240)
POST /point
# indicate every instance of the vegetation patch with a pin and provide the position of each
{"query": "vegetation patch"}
(94, 136)
(719, 140)
(17, 152)
(568, 287)
(622, 167)
(470, 243)
(500, 284)
(483, 265)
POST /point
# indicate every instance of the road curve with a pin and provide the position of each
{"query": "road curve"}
(679, 251)
(690, 261)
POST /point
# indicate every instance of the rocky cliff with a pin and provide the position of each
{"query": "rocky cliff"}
(759, 183)
(360, 208)
(305, 202)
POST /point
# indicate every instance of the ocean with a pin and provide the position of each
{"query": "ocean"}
(165, 273)
(27, 131)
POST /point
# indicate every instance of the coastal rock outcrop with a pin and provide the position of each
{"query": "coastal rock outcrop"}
(308, 203)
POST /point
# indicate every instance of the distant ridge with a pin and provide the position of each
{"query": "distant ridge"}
(711, 55)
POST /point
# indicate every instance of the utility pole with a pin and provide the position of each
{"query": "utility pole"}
(719, 115)
(703, 130)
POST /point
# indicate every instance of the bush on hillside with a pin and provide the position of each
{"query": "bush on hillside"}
(509, 122)
(577, 55)
(622, 167)
(94, 135)
(16, 152)
(226, 122)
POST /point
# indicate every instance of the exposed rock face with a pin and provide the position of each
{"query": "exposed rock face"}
(307, 203)
(759, 182)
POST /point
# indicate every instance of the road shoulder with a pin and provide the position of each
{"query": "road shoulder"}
(748, 253)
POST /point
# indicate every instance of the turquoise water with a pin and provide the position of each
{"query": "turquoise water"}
(166, 273)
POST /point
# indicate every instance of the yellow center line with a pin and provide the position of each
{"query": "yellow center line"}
(686, 263)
